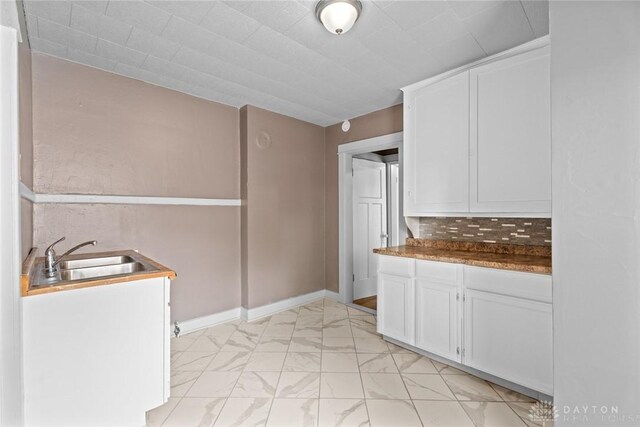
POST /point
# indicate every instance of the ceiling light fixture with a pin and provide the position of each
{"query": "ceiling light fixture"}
(338, 16)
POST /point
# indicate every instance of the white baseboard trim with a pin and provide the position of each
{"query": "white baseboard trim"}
(332, 295)
(203, 322)
(250, 314)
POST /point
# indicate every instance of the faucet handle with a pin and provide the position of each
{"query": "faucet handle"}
(50, 248)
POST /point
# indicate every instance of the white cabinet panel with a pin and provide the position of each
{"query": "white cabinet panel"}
(441, 272)
(437, 314)
(532, 286)
(395, 307)
(510, 139)
(104, 361)
(397, 266)
(510, 338)
(436, 145)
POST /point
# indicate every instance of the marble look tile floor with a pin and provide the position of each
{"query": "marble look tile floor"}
(322, 364)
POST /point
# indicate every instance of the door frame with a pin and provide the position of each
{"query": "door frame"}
(345, 203)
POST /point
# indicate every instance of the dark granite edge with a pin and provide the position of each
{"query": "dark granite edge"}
(496, 248)
(515, 265)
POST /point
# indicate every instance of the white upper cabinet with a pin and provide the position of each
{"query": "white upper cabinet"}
(436, 148)
(478, 141)
(510, 140)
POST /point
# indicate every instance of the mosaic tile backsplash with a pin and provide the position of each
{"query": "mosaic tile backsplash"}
(514, 231)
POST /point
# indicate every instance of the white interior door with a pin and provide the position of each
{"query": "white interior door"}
(369, 223)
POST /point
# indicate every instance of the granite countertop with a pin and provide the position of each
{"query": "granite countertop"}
(533, 259)
(32, 265)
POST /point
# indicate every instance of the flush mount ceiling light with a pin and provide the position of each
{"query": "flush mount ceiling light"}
(338, 16)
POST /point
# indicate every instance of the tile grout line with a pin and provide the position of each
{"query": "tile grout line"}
(364, 396)
(281, 368)
(171, 411)
(405, 386)
(186, 391)
(226, 399)
(452, 392)
(507, 403)
(321, 356)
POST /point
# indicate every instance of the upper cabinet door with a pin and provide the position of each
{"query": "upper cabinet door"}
(510, 142)
(436, 148)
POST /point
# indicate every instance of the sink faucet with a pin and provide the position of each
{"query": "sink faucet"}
(51, 263)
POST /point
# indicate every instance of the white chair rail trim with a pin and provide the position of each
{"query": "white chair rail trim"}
(27, 194)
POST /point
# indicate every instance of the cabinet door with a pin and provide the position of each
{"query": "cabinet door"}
(510, 139)
(395, 310)
(510, 338)
(436, 147)
(436, 313)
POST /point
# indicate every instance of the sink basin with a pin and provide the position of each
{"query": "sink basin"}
(102, 270)
(95, 262)
(79, 271)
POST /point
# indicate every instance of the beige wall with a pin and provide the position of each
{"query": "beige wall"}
(26, 227)
(99, 133)
(382, 122)
(285, 207)
(199, 242)
(26, 145)
(26, 124)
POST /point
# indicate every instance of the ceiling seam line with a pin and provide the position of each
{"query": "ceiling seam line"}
(528, 20)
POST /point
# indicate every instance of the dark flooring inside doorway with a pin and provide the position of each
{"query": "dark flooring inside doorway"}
(369, 302)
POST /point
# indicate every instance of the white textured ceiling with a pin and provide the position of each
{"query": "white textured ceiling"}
(275, 54)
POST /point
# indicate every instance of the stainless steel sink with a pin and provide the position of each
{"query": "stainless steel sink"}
(89, 267)
(95, 262)
(102, 271)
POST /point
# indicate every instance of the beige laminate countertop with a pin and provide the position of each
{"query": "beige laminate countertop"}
(533, 261)
(32, 263)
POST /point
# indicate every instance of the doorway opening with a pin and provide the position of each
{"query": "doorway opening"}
(376, 223)
(370, 213)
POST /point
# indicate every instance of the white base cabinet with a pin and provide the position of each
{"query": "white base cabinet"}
(395, 298)
(508, 326)
(437, 309)
(97, 356)
(496, 321)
